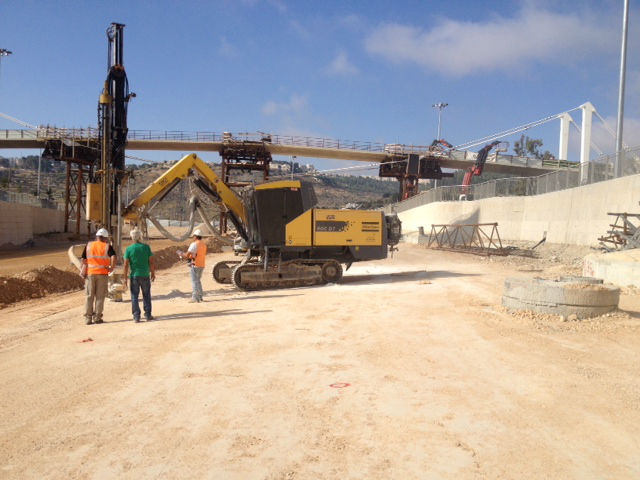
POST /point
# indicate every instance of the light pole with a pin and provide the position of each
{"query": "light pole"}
(4, 53)
(623, 68)
(440, 106)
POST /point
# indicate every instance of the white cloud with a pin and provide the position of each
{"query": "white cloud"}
(278, 5)
(296, 105)
(341, 65)
(226, 49)
(301, 31)
(459, 48)
(351, 21)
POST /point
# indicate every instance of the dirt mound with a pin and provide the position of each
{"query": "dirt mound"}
(37, 283)
(48, 279)
(168, 256)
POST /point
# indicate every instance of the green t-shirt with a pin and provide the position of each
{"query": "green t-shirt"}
(138, 255)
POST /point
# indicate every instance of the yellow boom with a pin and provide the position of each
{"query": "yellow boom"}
(180, 171)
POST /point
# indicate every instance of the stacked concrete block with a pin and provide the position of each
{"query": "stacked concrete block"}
(19, 223)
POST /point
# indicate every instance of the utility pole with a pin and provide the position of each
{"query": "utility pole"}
(623, 67)
(4, 53)
(293, 159)
(440, 106)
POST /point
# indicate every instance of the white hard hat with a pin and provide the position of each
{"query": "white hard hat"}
(197, 232)
(102, 233)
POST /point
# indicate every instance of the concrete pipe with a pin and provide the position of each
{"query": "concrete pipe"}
(575, 296)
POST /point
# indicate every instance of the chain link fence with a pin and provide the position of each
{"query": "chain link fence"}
(573, 175)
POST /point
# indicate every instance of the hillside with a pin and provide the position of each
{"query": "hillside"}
(333, 191)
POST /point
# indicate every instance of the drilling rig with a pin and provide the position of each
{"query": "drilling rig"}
(104, 203)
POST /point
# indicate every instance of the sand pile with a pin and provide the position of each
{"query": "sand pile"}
(37, 283)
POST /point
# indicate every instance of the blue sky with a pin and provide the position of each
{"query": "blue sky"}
(357, 70)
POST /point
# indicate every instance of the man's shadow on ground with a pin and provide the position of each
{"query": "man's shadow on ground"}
(225, 294)
(184, 315)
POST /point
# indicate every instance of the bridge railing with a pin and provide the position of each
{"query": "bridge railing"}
(574, 176)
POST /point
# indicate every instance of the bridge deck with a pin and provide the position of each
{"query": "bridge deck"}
(308, 147)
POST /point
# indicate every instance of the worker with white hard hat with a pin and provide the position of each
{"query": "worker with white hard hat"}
(98, 260)
(196, 254)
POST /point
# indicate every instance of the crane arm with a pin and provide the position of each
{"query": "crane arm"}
(207, 181)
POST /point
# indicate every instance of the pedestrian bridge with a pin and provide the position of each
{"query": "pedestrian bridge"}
(285, 145)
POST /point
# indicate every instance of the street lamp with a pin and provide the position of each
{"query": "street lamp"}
(440, 106)
(4, 53)
(623, 71)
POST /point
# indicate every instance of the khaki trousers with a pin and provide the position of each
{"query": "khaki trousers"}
(96, 291)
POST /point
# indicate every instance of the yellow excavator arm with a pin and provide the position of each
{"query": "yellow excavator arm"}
(180, 171)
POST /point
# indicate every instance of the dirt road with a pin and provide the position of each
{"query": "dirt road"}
(407, 369)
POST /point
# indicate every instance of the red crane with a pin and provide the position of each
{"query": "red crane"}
(478, 167)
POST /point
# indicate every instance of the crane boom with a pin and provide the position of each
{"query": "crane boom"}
(206, 180)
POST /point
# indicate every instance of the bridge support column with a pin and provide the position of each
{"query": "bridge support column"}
(563, 149)
(585, 140)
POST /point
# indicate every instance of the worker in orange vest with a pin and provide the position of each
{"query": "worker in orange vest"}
(196, 254)
(98, 260)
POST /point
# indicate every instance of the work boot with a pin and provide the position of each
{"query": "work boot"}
(193, 300)
(88, 320)
(98, 320)
(148, 318)
(136, 319)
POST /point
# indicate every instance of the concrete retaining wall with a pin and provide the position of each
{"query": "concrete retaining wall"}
(576, 216)
(19, 223)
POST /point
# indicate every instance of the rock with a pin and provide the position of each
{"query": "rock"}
(572, 318)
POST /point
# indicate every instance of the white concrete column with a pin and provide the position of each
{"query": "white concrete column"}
(585, 143)
(563, 149)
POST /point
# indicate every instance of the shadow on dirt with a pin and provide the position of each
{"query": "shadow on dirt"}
(402, 276)
(225, 294)
(180, 316)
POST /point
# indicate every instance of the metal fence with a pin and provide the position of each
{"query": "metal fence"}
(574, 175)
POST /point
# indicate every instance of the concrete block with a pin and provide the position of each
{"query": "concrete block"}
(620, 268)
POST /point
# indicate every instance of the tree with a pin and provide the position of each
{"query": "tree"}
(530, 147)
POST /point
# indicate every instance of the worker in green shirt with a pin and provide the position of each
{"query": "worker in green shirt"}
(139, 258)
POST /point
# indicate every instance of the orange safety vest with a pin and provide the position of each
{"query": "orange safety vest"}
(98, 260)
(201, 252)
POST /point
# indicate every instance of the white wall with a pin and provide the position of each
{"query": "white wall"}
(575, 216)
(19, 222)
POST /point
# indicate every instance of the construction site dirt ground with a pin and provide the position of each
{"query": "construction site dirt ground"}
(408, 368)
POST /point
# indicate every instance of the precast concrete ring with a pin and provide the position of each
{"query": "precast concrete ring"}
(568, 296)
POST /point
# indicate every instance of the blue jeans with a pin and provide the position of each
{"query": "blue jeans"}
(137, 284)
(196, 285)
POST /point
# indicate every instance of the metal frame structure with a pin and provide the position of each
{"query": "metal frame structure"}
(467, 237)
(623, 233)
(80, 160)
(243, 156)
